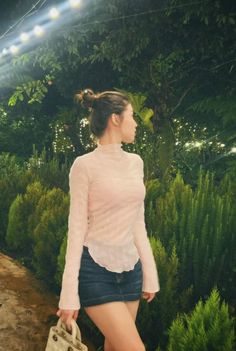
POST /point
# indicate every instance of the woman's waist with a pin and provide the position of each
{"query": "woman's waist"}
(113, 257)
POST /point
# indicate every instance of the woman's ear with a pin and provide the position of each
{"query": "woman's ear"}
(115, 119)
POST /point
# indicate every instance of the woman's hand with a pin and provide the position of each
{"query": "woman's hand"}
(67, 315)
(148, 296)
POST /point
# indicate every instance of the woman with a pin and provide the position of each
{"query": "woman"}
(109, 263)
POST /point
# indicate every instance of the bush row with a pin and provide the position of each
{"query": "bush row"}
(192, 233)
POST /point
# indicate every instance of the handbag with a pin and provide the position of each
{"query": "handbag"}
(59, 339)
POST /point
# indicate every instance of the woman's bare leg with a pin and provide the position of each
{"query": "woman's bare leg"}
(116, 322)
(133, 309)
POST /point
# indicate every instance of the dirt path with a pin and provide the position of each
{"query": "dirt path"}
(27, 309)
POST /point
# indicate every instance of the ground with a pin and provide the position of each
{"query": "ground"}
(27, 309)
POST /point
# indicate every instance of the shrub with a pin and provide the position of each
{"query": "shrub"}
(201, 224)
(61, 261)
(49, 170)
(154, 317)
(208, 327)
(12, 182)
(18, 237)
(52, 214)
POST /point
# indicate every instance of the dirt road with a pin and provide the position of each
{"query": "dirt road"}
(27, 309)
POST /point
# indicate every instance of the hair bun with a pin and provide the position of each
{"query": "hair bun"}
(86, 98)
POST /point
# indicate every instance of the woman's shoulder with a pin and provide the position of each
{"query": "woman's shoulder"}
(85, 158)
(135, 157)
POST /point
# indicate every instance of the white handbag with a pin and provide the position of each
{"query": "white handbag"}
(59, 339)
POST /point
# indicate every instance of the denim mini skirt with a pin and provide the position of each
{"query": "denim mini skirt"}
(97, 285)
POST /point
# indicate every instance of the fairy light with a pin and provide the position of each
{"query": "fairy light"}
(5, 51)
(14, 49)
(198, 143)
(74, 3)
(24, 37)
(54, 13)
(38, 31)
(233, 150)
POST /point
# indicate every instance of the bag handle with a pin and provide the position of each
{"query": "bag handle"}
(76, 334)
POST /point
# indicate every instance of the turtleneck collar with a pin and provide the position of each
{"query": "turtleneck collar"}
(113, 149)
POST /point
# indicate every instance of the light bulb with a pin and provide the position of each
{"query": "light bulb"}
(4, 51)
(74, 3)
(54, 13)
(14, 49)
(24, 37)
(38, 31)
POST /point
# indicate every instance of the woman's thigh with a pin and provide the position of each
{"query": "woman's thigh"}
(133, 308)
(116, 323)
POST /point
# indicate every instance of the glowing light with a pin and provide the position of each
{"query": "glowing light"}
(198, 143)
(233, 150)
(74, 3)
(54, 13)
(4, 51)
(14, 49)
(24, 37)
(38, 31)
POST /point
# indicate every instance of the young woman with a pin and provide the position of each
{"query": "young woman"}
(109, 262)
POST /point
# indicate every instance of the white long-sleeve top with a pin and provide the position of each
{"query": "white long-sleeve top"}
(106, 214)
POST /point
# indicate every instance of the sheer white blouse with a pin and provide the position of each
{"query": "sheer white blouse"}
(107, 215)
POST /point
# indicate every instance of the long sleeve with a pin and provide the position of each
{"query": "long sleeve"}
(142, 243)
(77, 227)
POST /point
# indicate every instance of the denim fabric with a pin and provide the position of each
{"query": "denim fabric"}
(98, 285)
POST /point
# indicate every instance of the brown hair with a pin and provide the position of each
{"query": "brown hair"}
(102, 105)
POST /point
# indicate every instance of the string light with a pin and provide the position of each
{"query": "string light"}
(24, 37)
(38, 31)
(74, 3)
(233, 150)
(14, 49)
(54, 13)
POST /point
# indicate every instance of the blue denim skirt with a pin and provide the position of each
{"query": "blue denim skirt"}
(97, 285)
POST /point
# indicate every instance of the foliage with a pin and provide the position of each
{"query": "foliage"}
(49, 170)
(51, 214)
(163, 308)
(34, 90)
(178, 60)
(13, 180)
(23, 127)
(201, 224)
(208, 327)
(61, 261)
(186, 70)
(18, 237)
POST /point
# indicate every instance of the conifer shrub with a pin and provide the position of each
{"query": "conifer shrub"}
(155, 317)
(52, 217)
(12, 181)
(49, 170)
(61, 261)
(208, 327)
(201, 224)
(18, 237)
